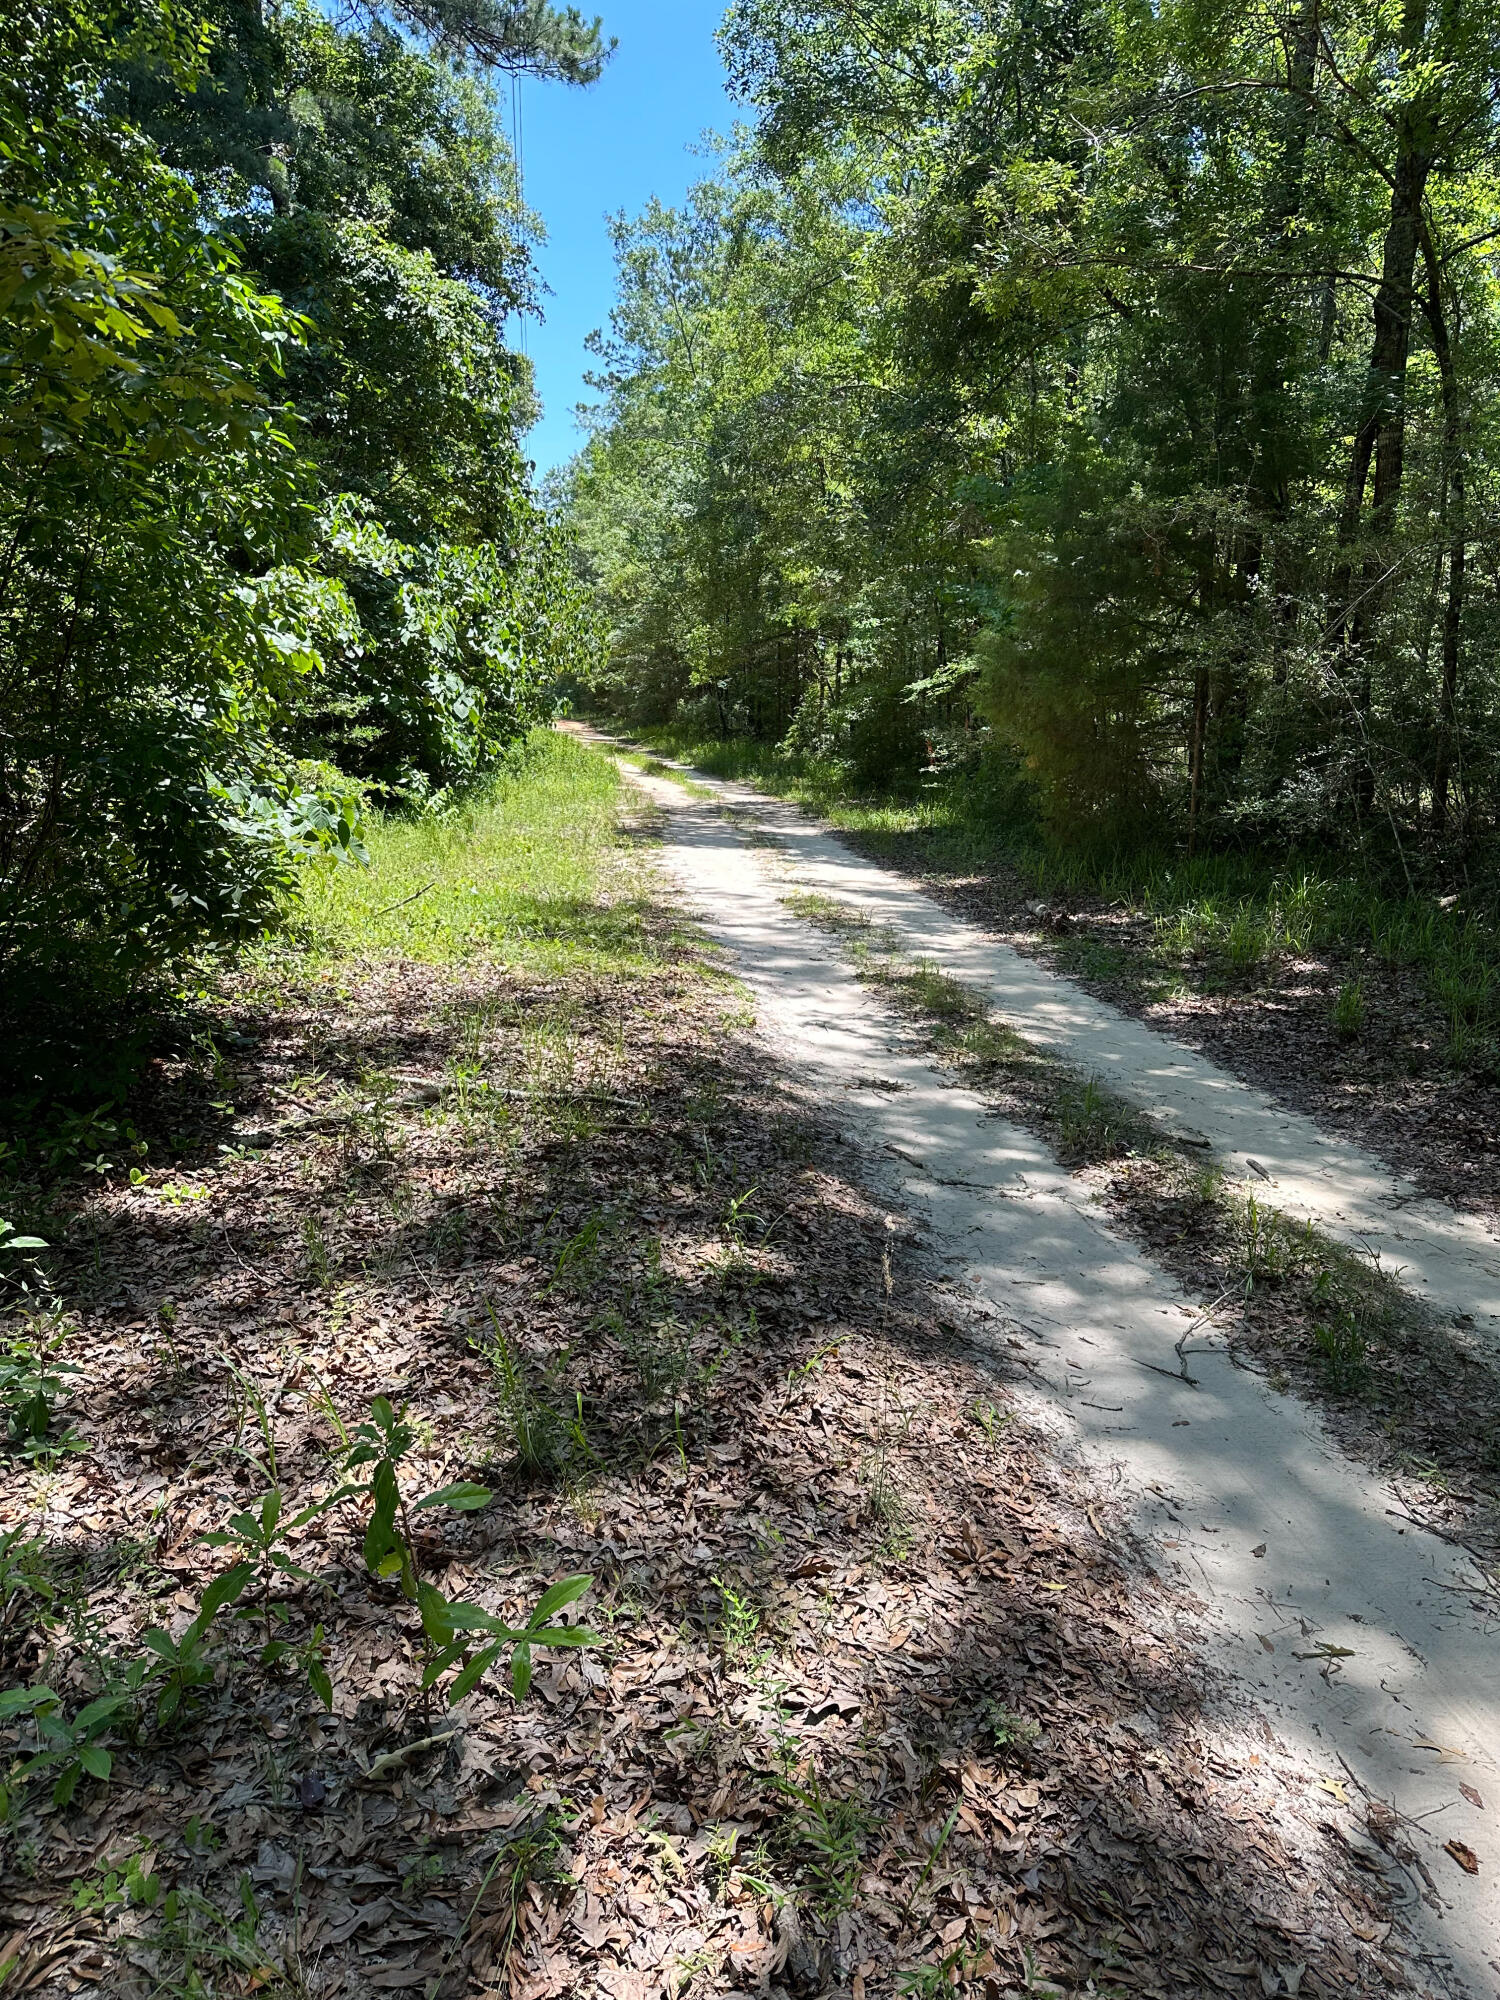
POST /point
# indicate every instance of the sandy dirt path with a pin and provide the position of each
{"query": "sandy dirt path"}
(1450, 1260)
(1367, 1642)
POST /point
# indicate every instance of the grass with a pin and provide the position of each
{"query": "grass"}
(1239, 911)
(1084, 1121)
(530, 873)
(653, 767)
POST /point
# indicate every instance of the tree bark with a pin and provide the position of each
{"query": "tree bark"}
(1456, 524)
(1195, 756)
(1380, 434)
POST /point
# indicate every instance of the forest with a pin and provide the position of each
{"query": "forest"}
(272, 556)
(1090, 404)
(615, 1389)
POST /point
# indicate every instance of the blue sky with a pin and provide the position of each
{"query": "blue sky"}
(586, 153)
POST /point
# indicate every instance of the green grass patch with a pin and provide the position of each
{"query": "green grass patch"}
(534, 871)
(653, 767)
(821, 784)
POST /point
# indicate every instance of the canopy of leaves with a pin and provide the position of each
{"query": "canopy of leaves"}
(270, 537)
(1105, 388)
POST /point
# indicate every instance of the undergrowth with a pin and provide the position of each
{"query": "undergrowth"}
(529, 873)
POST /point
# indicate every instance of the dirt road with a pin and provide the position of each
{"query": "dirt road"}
(1370, 1644)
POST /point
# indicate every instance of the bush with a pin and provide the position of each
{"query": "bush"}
(157, 601)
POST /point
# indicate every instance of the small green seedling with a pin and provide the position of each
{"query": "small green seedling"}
(71, 1746)
(31, 1384)
(449, 1625)
(379, 1445)
(260, 1536)
(185, 1658)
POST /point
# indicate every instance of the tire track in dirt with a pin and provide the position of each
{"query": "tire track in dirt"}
(1449, 1260)
(1366, 1641)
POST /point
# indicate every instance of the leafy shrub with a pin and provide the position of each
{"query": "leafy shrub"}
(32, 1381)
(157, 601)
(212, 603)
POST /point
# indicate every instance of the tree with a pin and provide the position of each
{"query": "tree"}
(372, 190)
(270, 533)
(153, 606)
(524, 37)
(1145, 358)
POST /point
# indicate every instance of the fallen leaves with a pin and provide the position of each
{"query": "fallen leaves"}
(970, 1660)
(1466, 1858)
(1446, 1753)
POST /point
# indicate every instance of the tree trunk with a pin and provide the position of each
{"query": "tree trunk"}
(1195, 756)
(1457, 531)
(1380, 434)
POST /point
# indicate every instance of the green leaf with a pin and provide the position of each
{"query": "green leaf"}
(20, 1701)
(436, 1614)
(224, 1590)
(474, 1672)
(98, 1711)
(567, 1592)
(520, 1671)
(560, 1636)
(96, 1760)
(463, 1495)
(439, 1664)
(380, 1534)
(469, 1618)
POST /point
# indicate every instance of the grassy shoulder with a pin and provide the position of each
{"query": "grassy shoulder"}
(1376, 1012)
(532, 873)
(492, 1281)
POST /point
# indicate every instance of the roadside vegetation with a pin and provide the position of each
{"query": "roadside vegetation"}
(271, 551)
(1057, 457)
(1374, 1009)
(491, 1502)
(1217, 918)
(1115, 400)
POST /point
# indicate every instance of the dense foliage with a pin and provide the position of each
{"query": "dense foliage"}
(268, 539)
(1110, 387)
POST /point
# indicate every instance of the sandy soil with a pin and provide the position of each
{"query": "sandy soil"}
(1367, 1642)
